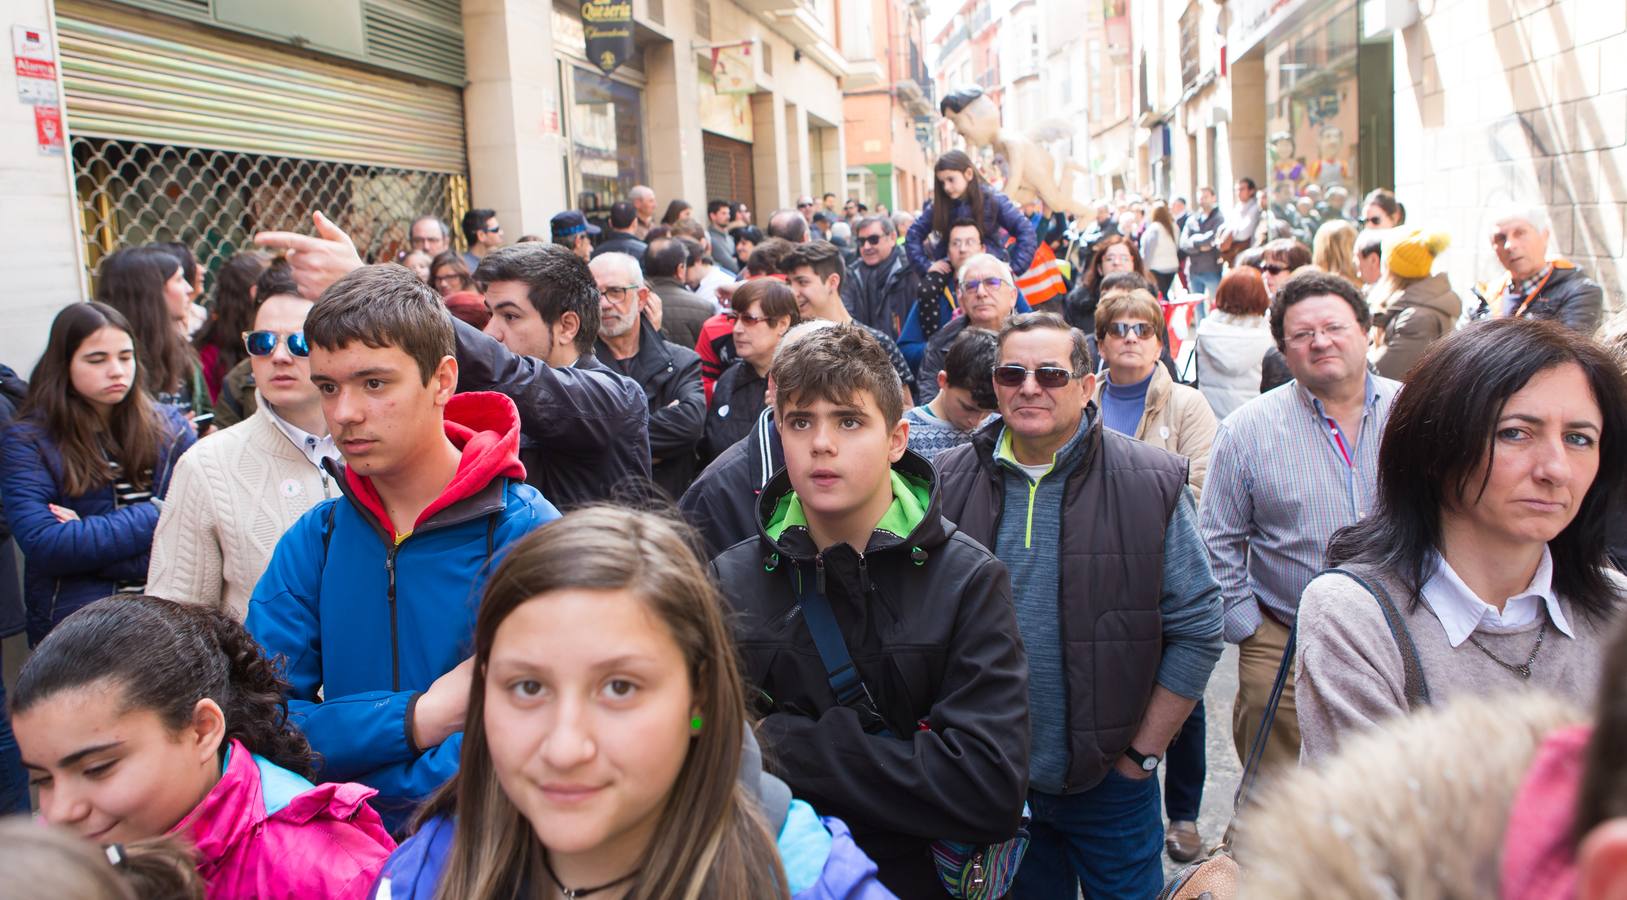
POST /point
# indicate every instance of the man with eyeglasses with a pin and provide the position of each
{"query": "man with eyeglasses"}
(431, 235)
(988, 296)
(483, 234)
(1288, 469)
(880, 286)
(669, 374)
(234, 493)
(1099, 534)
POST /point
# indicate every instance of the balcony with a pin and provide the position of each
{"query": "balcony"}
(776, 7)
(862, 74)
(916, 95)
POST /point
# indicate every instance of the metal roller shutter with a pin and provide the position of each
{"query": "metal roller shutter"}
(138, 78)
(729, 173)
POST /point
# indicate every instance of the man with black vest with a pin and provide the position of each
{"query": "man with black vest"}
(1118, 610)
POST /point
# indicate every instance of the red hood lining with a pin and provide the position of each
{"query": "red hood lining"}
(485, 427)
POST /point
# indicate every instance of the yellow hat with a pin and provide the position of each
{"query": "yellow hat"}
(1412, 255)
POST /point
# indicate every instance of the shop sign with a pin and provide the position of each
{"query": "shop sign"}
(732, 68)
(607, 31)
(1253, 20)
(35, 65)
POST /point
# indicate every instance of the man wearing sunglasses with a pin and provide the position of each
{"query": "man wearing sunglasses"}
(881, 285)
(234, 494)
(988, 296)
(1099, 534)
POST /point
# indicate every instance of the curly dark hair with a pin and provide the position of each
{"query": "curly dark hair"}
(167, 656)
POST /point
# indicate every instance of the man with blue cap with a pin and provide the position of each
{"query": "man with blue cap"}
(572, 231)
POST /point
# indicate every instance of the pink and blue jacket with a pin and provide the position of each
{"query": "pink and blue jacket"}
(264, 832)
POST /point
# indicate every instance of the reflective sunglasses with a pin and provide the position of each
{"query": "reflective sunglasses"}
(1141, 330)
(872, 239)
(970, 287)
(264, 343)
(1013, 375)
(747, 318)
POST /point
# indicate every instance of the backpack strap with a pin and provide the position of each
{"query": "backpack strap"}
(840, 671)
(1251, 766)
(327, 533)
(1414, 686)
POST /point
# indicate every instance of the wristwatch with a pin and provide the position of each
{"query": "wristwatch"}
(1146, 762)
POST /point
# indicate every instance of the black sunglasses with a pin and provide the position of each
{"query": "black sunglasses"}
(1273, 268)
(869, 239)
(1374, 220)
(1045, 376)
(264, 343)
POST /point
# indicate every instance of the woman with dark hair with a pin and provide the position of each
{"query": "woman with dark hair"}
(1484, 564)
(220, 343)
(1380, 209)
(204, 750)
(1113, 254)
(1232, 342)
(960, 192)
(762, 311)
(1280, 259)
(148, 287)
(81, 466)
(606, 746)
(677, 211)
(449, 275)
(1158, 243)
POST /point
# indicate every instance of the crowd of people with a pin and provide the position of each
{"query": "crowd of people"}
(862, 555)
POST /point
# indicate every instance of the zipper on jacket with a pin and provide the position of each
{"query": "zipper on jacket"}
(395, 643)
(819, 572)
(1028, 531)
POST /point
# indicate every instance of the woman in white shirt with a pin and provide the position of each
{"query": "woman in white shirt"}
(1232, 340)
(1158, 246)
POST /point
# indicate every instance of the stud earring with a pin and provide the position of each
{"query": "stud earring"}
(695, 724)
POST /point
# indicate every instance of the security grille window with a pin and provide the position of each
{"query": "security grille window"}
(1189, 45)
(215, 200)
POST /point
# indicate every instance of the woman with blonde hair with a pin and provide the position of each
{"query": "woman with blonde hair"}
(602, 749)
(1411, 308)
(1334, 250)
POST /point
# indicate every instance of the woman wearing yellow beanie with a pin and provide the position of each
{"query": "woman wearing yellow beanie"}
(1411, 307)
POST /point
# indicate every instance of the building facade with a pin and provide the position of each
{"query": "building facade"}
(204, 121)
(889, 104)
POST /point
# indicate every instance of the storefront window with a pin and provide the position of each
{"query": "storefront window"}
(1312, 119)
(605, 144)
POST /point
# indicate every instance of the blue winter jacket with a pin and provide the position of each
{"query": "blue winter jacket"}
(820, 859)
(70, 564)
(1001, 218)
(371, 623)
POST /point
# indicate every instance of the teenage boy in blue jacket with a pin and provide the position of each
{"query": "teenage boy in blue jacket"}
(370, 598)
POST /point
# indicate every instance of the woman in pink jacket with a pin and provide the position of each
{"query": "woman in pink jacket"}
(140, 717)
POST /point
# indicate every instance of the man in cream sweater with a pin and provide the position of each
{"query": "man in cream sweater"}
(233, 495)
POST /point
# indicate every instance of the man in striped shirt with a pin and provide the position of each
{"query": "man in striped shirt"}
(1289, 469)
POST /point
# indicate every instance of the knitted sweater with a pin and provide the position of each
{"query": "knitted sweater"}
(1350, 675)
(232, 497)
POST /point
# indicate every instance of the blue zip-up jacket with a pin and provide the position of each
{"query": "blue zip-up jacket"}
(70, 564)
(1001, 217)
(392, 616)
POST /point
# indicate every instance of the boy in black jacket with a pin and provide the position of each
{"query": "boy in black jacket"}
(929, 739)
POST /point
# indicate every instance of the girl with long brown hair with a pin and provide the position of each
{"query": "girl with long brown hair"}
(959, 192)
(81, 466)
(602, 752)
(148, 286)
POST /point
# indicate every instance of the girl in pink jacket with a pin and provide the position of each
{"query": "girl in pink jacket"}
(139, 717)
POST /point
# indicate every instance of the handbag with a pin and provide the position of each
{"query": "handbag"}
(1218, 875)
(966, 871)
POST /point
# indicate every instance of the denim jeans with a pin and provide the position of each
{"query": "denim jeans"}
(1107, 840)
(1185, 766)
(13, 779)
(1204, 282)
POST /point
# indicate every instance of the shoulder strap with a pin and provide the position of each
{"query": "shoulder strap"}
(1415, 687)
(843, 675)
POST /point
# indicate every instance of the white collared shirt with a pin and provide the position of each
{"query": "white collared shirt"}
(315, 448)
(1462, 612)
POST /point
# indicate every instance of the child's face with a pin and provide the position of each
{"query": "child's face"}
(839, 455)
(587, 714)
(114, 775)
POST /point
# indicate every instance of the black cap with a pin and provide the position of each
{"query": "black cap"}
(571, 222)
(622, 215)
